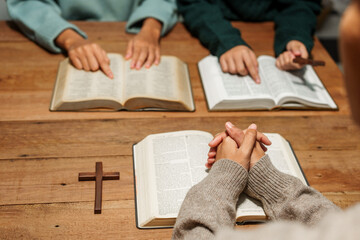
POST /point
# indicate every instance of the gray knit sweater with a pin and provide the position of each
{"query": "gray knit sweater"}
(208, 211)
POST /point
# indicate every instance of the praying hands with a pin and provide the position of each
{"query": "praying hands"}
(245, 147)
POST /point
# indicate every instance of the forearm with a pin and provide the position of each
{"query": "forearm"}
(40, 21)
(350, 51)
(286, 197)
(211, 204)
(206, 22)
(296, 21)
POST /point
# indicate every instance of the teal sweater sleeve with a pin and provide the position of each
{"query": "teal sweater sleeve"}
(163, 10)
(296, 20)
(205, 21)
(41, 21)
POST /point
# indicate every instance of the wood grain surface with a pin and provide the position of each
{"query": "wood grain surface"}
(42, 152)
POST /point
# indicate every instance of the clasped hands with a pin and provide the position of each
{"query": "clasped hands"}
(143, 49)
(245, 147)
(242, 60)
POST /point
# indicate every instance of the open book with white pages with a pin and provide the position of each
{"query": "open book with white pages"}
(167, 165)
(300, 89)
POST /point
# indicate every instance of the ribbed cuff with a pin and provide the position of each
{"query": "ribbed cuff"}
(266, 183)
(227, 178)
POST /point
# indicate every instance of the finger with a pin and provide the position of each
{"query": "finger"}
(129, 50)
(90, 55)
(207, 165)
(263, 147)
(277, 63)
(235, 133)
(231, 65)
(295, 49)
(135, 57)
(142, 57)
(157, 56)
(223, 64)
(282, 62)
(263, 138)
(105, 67)
(240, 65)
(288, 58)
(248, 143)
(211, 160)
(151, 58)
(104, 64)
(83, 59)
(251, 67)
(290, 65)
(304, 52)
(211, 154)
(105, 56)
(75, 61)
(217, 139)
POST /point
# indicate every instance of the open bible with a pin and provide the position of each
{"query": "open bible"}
(278, 89)
(167, 165)
(163, 87)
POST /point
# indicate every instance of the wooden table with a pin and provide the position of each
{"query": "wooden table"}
(42, 152)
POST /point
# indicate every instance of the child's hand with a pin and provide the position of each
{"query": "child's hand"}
(240, 60)
(144, 48)
(83, 53)
(285, 60)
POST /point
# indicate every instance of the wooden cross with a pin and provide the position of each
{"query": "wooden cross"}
(98, 177)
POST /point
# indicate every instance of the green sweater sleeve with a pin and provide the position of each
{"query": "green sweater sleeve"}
(205, 21)
(40, 21)
(296, 21)
(163, 10)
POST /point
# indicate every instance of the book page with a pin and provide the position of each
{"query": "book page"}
(156, 82)
(294, 85)
(226, 87)
(275, 79)
(235, 86)
(179, 162)
(82, 85)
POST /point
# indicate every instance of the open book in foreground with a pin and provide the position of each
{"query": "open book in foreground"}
(278, 89)
(167, 165)
(163, 87)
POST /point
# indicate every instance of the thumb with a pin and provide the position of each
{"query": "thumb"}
(295, 49)
(235, 133)
(248, 144)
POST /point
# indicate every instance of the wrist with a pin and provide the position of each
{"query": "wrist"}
(67, 38)
(152, 26)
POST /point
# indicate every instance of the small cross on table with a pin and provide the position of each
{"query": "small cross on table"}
(98, 177)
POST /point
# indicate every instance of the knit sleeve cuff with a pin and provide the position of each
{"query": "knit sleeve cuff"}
(163, 11)
(226, 179)
(46, 34)
(266, 183)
